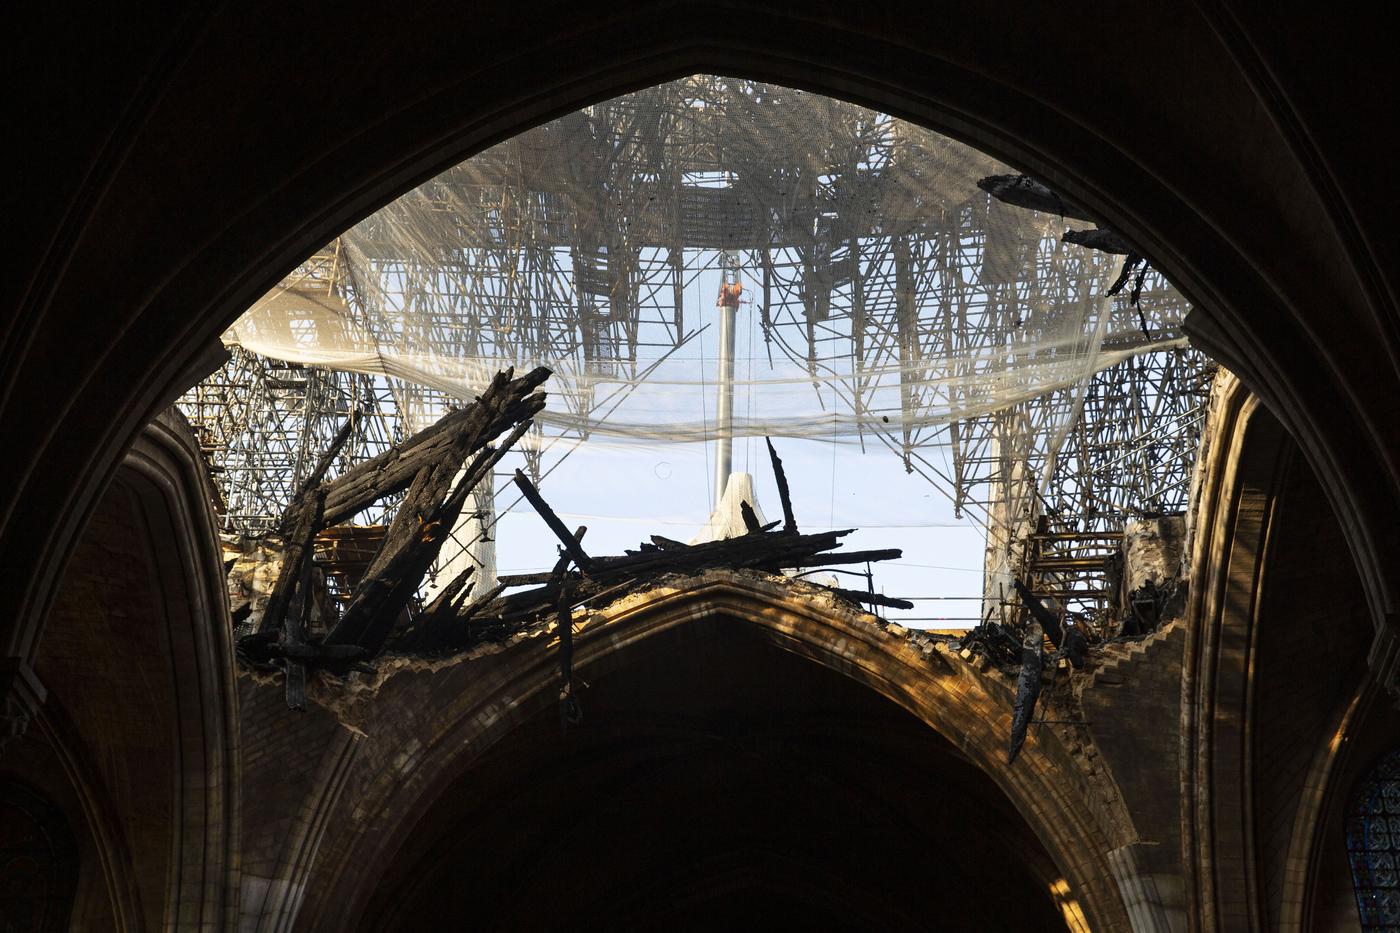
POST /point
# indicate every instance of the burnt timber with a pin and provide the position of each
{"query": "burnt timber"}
(597, 580)
(436, 469)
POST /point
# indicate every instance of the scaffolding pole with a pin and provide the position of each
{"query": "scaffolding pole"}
(728, 303)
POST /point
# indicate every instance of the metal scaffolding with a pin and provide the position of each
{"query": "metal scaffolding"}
(877, 270)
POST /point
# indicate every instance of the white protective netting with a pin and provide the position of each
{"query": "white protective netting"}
(871, 262)
(887, 300)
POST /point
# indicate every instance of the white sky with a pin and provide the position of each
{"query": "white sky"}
(624, 491)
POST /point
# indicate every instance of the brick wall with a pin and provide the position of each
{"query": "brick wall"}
(1133, 710)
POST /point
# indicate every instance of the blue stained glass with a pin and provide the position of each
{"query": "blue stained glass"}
(1390, 793)
(1383, 870)
(1389, 904)
(1373, 841)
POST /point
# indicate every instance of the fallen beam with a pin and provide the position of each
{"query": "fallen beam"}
(1024, 191)
(561, 531)
(505, 402)
(1027, 690)
(784, 494)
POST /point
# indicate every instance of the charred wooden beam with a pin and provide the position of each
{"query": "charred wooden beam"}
(1024, 191)
(381, 597)
(1130, 263)
(1101, 239)
(751, 523)
(875, 599)
(848, 557)
(267, 648)
(424, 493)
(525, 579)
(294, 636)
(561, 531)
(436, 480)
(569, 710)
(505, 402)
(446, 601)
(465, 614)
(318, 473)
(438, 632)
(1043, 614)
(784, 494)
(296, 553)
(1027, 690)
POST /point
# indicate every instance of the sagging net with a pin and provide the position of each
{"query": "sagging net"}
(885, 301)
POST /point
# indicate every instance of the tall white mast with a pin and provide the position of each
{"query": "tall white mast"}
(728, 303)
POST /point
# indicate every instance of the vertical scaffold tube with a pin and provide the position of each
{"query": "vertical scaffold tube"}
(728, 304)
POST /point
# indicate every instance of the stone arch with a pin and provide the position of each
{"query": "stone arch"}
(39, 871)
(477, 707)
(159, 794)
(1321, 895)
(1276, 676)
(1267, 236)
(166, 475)
(1226, 553)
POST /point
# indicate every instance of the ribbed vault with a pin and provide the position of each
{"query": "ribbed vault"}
(728, 718)
(721, 780)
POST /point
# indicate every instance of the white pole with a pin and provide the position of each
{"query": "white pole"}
(724, 410)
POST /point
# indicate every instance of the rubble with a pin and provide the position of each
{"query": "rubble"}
(597, 580)
(431, 468)
(437, 469)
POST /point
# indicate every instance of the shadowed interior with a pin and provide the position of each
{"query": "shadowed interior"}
(721, 781)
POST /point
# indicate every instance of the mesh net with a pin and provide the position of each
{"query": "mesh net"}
(884, 300)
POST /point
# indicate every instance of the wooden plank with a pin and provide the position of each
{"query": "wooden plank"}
(295, 553)
(846, 557)
(318, 473)
(505, 402)
(561, 531)
(876, 599)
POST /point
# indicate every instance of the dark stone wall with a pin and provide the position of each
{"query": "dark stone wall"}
(720, 781)
(1311, 642)
(1133, 711)
(106, 662)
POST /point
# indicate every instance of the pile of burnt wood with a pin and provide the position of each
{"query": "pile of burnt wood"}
(436, 470)
(593, 579)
